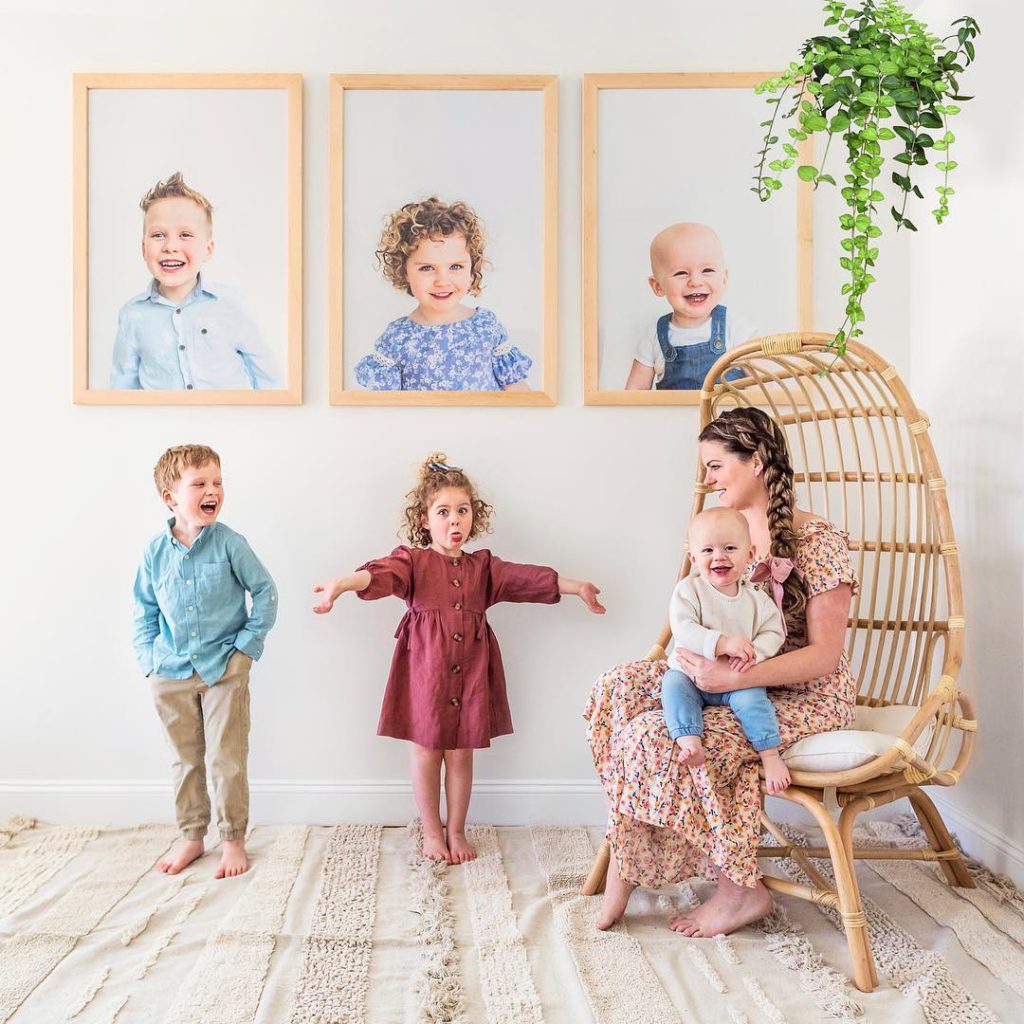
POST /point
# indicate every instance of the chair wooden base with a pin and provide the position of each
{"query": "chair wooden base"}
(842, 894)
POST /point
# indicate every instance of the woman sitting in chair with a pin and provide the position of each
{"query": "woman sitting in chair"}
(668, 822)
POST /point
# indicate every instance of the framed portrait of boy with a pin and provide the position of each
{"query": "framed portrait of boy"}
(188, 239)
(681, 261)
(443, 239)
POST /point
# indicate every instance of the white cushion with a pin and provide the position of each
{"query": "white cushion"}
(875, 732)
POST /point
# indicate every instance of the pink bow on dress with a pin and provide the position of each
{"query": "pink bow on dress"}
(774, 571)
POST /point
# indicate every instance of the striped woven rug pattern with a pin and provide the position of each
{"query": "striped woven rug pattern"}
(348, 924)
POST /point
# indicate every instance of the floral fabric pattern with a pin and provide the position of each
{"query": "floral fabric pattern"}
(469, 355)
(667, 823)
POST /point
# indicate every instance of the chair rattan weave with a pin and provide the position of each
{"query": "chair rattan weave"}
(862, 459)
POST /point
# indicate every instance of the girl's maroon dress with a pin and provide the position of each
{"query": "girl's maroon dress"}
(446, 688)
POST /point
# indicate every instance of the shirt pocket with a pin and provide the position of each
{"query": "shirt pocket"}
(216, 583)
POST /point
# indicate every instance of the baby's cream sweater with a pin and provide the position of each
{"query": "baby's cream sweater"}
(701, 615)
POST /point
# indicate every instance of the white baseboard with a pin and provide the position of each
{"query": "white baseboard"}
(992, 848)
(311, 801)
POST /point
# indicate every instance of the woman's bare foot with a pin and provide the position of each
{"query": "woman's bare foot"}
(776, 774)
(616, 897)
(460, 848)
(180, 856)
(691, 750)
(730, 908)
(233, 859)
(435, 848)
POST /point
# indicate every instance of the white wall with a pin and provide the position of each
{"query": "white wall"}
(598, 492)
(967, 358)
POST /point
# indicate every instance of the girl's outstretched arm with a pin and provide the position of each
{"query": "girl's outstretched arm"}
(584, 590)
(333, 589)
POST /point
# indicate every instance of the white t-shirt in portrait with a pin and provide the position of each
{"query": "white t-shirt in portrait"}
(648, 351)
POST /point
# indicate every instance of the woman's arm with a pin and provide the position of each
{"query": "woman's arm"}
(827, 614)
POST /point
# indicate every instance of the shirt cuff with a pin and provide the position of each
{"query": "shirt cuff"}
(249, 643)
(711, 643)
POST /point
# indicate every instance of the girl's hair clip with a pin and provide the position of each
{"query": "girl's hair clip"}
(442, 467)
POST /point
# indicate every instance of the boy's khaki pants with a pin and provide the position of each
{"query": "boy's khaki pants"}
(196, 718)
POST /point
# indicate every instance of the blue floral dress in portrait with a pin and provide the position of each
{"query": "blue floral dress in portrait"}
(469, 355)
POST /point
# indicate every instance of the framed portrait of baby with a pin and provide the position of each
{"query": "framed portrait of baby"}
(681, 260)
(443, 239)
(188, 239)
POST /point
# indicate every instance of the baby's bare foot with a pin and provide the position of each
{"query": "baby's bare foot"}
(460, 848)
(233, 859)
(435, 848)
(691, 750)
(776, 774)
(180, 856)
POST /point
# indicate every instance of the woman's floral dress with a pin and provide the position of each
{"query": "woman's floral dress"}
(667, 823)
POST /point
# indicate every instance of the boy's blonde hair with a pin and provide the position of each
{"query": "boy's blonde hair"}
(435, 476)
(175, 188)
(176, 460)
(406, 228)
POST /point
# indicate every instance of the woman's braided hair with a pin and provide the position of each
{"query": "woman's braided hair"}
(747, 432)
(435, 476)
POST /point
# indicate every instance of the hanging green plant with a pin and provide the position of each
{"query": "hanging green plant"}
(880, 65)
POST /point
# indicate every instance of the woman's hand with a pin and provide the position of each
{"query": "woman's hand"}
(710, 676)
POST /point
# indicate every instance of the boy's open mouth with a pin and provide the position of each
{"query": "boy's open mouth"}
(695, 297)
(721, 570)
(209, 507)
(172, 264)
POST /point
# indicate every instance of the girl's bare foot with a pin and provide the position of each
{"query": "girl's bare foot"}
(691, 750)
(616, 897)
(233, 859)
(180, 856)
(776, 774)
(730, 908)
(460, 848)
(435, 848)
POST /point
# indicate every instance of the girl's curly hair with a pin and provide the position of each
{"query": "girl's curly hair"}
(435, 476)
(406, 228)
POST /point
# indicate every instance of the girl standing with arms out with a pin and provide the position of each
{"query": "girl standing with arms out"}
(446, 690)
(434, 251)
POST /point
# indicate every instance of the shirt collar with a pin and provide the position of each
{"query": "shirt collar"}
(177, 543)
(203, 287)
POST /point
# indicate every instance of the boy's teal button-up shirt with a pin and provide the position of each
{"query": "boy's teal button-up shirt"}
(190, 608)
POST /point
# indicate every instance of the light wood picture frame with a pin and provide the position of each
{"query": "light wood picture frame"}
(489, 141)
(665, 148)
(236, 139)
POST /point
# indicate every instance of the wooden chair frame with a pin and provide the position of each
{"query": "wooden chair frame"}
(886, 489)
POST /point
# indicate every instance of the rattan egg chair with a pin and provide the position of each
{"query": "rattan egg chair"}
(863, 460)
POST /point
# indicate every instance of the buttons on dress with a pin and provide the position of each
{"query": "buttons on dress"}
(455, 702)
(457, 606)
(456, 562)
(456, 583)
(456, 669)
(456, 636)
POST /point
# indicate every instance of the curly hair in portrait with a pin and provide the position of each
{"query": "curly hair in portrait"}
(435, 476)
(175, 188)
(748, 432)
(406, 228)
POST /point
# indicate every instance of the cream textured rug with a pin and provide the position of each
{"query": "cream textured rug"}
(350, 924)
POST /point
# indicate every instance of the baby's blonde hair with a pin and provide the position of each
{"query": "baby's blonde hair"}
(406, 228)
(175, 188)
(435, 476)
(176, 460)
(708, 515)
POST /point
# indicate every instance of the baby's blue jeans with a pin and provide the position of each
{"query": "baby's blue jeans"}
(684, 705)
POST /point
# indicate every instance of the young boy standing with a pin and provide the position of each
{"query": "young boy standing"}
(196, 641)
(184, 331)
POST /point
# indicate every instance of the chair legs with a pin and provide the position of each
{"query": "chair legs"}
(599, 872)
(940, 840)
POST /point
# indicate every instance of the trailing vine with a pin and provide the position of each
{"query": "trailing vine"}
(880, 65)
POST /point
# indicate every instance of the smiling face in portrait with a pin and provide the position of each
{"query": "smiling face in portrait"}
(440, 273)
(196, 497)
(449, 520)
(176, 242)
(688, 271)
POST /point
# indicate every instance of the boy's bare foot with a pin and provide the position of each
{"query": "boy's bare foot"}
(691, 750)
(460, 848)
(233, 859)
(776, 774)
(435, 848)
(616, 897)
(180, 856)
(730, 908)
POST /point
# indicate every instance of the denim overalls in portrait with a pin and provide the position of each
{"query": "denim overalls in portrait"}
(688, 365)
